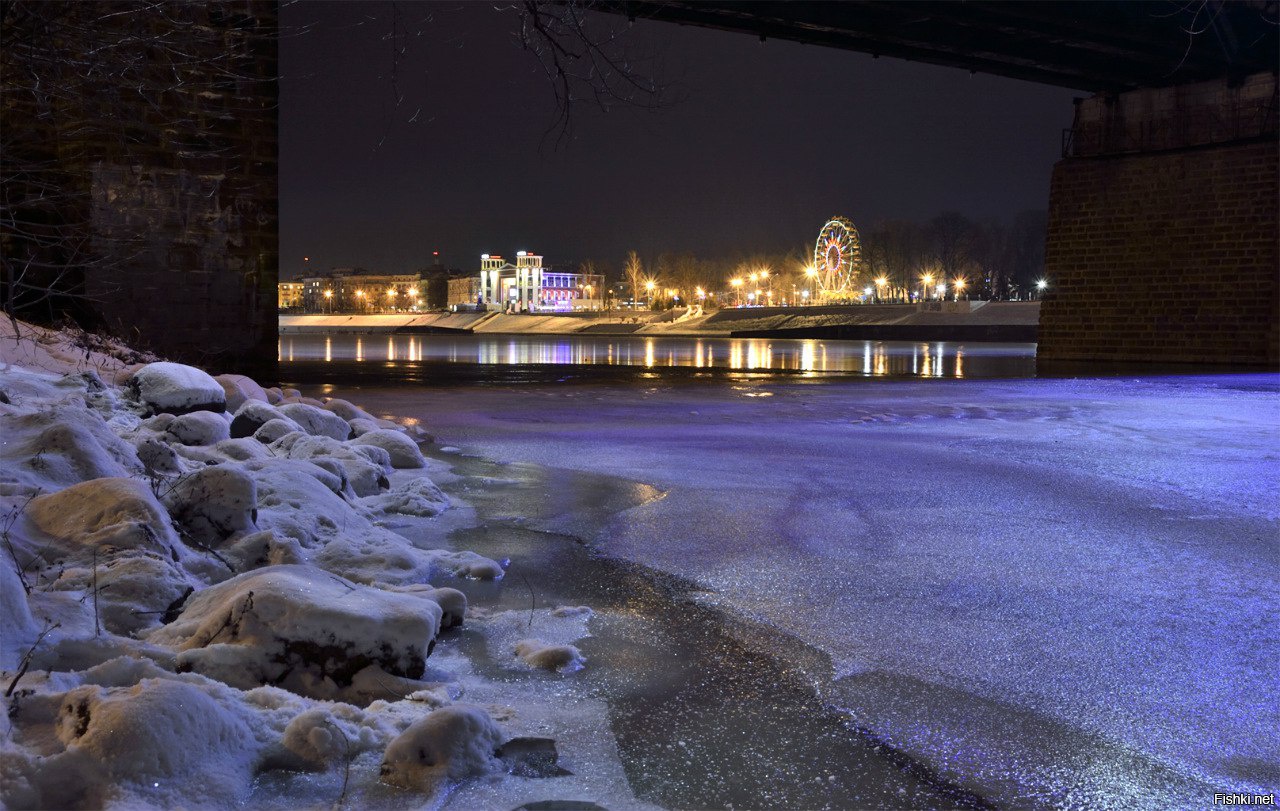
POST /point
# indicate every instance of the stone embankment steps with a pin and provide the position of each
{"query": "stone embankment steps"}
(1007, 321)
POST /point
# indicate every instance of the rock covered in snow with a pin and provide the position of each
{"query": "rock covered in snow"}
(136, 593)
(174, 388)
(317, 421)
(199, 428)
(404, 451)
(104, 514)
(451, 743)
(56, 448)
(260, 549)
(273, 430)
(239, 389)
(214, 503)
(546, 656)
(15, 618)
(347, 410)
(303, 628)
(364, 476)
(418, 496)
(252, 415)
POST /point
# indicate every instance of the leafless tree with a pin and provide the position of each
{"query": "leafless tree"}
(586, 59)
(633, 272)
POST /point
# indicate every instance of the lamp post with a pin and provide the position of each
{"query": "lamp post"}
(736, 284)
(880, 283)
(959, 285)
(1041, 286)
(925, 280)
(328, 298)
(811, 273)
(648, 286)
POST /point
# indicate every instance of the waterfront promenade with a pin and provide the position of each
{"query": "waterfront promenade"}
(997, 321)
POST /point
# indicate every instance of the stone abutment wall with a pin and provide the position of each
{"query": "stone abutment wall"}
(140, 164)
(1164, 227)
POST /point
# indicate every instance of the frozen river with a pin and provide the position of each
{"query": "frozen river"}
(1053, 592)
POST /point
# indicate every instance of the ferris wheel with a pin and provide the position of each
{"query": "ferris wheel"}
(837, 258)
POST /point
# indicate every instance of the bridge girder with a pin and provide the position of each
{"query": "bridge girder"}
(1093, 46)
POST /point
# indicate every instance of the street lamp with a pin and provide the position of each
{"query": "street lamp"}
(328, 296)
(737, 289)
(959, 285)
(1041, 284)
(880, 283)
(926, 280)
(648, 286)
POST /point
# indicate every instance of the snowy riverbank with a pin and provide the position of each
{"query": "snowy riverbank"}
(218, 594)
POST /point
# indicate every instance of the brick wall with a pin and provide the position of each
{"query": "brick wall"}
(1165, 256)
(155, 127)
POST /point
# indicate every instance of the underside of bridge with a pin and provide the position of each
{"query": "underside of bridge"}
(1163, 214)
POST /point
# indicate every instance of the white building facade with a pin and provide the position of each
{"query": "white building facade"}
(531, 286)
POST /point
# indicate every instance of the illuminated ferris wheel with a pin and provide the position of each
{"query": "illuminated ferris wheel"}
(837, 258)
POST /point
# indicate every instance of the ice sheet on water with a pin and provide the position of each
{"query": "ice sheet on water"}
(1095, 558)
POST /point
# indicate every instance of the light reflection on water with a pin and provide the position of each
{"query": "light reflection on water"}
(804, 356)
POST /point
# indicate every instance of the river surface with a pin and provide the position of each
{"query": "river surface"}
(466, 354)
(1049, 592)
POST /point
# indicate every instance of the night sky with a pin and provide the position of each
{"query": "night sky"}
(762, 143)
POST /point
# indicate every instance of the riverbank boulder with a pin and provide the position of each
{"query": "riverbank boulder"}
(302, 628)
(174, 388)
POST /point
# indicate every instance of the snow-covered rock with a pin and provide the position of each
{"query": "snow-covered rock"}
(56, 448)
(174, 388)
(137, 592)
(547, 656)
(19, 626)
(451, 743)
(347, 410)
(365, 477)
(301, 627)
(317, 421)
(260, 549)
(214, 503)
(273, 430)
(252, 415)
(157, 457)
(404, 451)
(418, 496)
(239, 389)
(199, 428)
(109, 515)
(361, 426)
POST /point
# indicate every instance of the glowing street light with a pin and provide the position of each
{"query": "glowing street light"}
(1041, 284)
(737, 289)
(328, 297)
(926, 279)
(959, 285)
